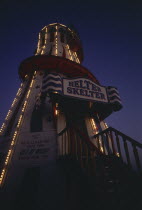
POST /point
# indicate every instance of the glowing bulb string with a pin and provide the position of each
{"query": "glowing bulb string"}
(15, 135)
(9, 114)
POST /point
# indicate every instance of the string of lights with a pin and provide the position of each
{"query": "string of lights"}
(10, 111)
(56, 41)
(71, 58)
(15, 135)
(77, 60)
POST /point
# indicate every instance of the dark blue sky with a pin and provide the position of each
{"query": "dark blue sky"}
(111, 34)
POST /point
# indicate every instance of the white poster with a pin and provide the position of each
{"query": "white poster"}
(37, 147)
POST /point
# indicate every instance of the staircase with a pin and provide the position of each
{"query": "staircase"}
(120, 186)
(107, 177)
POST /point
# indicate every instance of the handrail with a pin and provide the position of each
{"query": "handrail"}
(106, 143)
(110, 139)
(121, 134)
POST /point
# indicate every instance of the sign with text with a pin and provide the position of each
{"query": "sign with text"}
(84, 89)
(36, 147)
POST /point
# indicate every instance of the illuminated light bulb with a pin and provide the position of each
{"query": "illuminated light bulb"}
(63, 25)
(52, 24)
(56, 52)
(24, 106)
(28, 93)
(102, 150)
(117, 154)
(15, 100)
(19, 92)
(9, 152)
(56, 29)
(77, 60)
(12, 143)
(106, 126)
(56, 42)
(93, 123)
(32, 81)
(7, 158)
(15, 133)
(69, 52)
(56, 112)
(19, 121)
(94, 126)
(8, 115)
(2, 175)
(2, 127)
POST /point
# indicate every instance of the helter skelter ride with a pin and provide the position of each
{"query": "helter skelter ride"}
(58, 114)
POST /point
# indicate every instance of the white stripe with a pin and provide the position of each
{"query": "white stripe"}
(112, 89)
(52, 75)
(56, 82)
(52, 87)
(114, 94)
(57, 88)
(115, 100)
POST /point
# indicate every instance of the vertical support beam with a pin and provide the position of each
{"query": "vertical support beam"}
(112, 143)
(69, 143)
(107, 144)
(98, 143)
(138, 164)
(86, 155)
(80, 155)
(93, 163)
(62, 146)
(76, 146)
(64, 143)
(118, 144)
(71, 134)
(102, 140)
(127, 152)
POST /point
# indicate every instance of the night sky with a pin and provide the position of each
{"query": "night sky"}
(111, 34)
